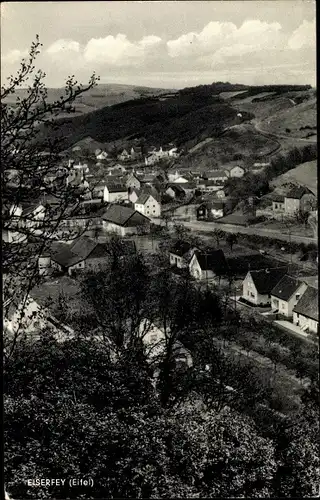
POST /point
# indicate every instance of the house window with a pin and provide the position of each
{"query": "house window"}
(297, 296)
(249, 284)
(276, 205)
(248, 293)
(282, 305)
(252, 294)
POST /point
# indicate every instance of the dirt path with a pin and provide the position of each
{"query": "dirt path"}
(258, 128)
(232, 228)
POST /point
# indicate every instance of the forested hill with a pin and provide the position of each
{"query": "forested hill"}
(182, 117)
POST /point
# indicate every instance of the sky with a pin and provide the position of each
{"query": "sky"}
(169, 44)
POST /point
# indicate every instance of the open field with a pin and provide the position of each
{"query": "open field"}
(237, 141)
(100, 96)
(277, 225)
(293, 121)
(230, 95)
(257, 96)
(305, 174)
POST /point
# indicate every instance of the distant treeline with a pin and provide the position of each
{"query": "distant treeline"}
(277, 89)
(213, 88)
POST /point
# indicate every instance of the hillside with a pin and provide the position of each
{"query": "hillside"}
(212, 123)
(292, 113)
(305, 174)
(99, 97)
(184, 119)
(234, 144)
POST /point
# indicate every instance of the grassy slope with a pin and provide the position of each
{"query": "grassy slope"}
(196, 117)
(278, 112)
(305, 174)
(98, 97)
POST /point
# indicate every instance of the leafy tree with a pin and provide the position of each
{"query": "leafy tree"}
(218, 235)
(28, 158)
(117, 299)
(231, 239)
(297, 453)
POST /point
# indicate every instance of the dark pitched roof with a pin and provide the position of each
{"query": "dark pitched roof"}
(28, 208)
(181, 248)
(117, 214)
(266, 279)
(308, 304)
(185, 185)
(123, 216)
(78, 251)
(286, 287)
(116, 188)
(147, 178)
(212, 261)
(278, 198)
(297, 192)
(214, 204)
(229, 167)
(143, 198)
(214, 174)
(177, 188)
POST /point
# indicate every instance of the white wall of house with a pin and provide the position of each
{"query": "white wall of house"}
(112, 197)
(75, 267)
(44, 265)
(236, 172)
(139, 207)
(278, 206)
(286, 307)
(176, 260)
(110, 227)
(170, 192)
(291, 206)
(151, 208)
(217, 212)
(133, 197)
(250, 293)
(196, 271)
(305, 323)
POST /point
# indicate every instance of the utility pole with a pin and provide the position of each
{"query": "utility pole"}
(290, 249)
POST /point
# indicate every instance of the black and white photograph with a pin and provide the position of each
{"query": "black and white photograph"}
(159, 249)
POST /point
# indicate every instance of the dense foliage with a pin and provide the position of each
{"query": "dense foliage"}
(91, 406)
(282, 163)
(179, 119)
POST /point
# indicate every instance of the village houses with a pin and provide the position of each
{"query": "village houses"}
(258, 284)
(208, 265)
(124, 220)
(83, 253)
(215, 175)
(286, 294)
(234, 170)
(181, 254)
(306, 311)
(146, 204)
(115, 192)
(211, 210)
